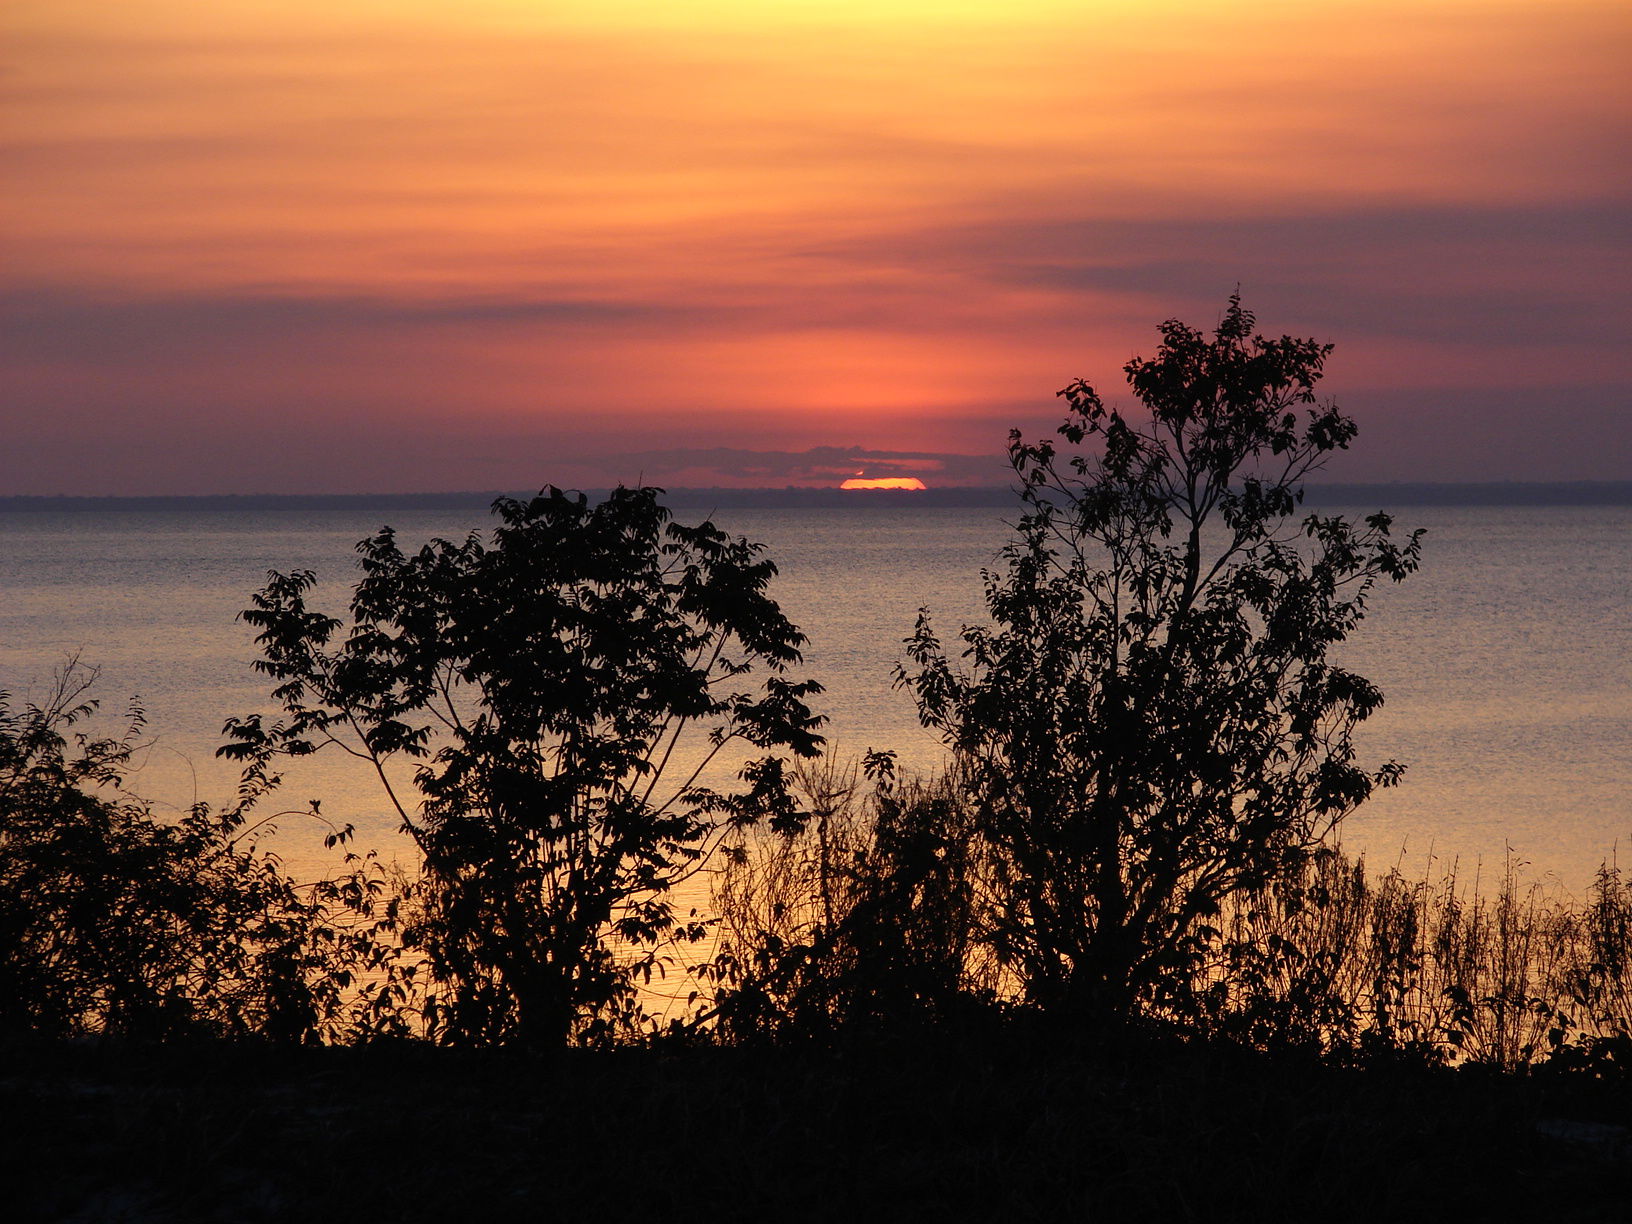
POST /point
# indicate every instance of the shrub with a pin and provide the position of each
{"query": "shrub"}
(115, 922)
(864, 922)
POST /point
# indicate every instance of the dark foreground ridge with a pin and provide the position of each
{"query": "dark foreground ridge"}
(1009, 1127)
(1485, 493)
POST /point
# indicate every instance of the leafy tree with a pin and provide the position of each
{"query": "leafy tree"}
(1153, 720)
(114, 921)
(573, 694)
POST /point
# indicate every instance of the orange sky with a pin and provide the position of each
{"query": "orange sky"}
(411, 246)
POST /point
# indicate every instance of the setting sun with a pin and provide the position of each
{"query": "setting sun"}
(909, 483)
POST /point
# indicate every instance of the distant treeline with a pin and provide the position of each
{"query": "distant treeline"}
(1482, 493)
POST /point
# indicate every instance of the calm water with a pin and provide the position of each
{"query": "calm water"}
(1507, 662)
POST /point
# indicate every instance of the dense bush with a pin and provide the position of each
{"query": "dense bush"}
(114, 921)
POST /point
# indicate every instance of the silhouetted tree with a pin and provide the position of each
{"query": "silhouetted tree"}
(114, 921)
(566, 691)
(1153, 723)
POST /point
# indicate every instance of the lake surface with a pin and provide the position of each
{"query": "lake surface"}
(1507, 662)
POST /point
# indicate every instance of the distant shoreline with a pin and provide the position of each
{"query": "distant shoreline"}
(1484, 493)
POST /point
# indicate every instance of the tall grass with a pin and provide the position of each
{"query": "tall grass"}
(886, 909)
(1340, 958)
(870, 918)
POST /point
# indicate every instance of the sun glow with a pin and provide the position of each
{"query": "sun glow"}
(909, 483)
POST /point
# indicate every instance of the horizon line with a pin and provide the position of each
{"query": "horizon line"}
(1409, 492)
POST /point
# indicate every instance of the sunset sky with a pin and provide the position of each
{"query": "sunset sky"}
(398, 245)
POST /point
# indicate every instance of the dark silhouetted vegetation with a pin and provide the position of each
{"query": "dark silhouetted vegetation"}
(1111, 961)
(1153, 723)
(115, 922)
(880, 917)
(564, 692)
(863, 923)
